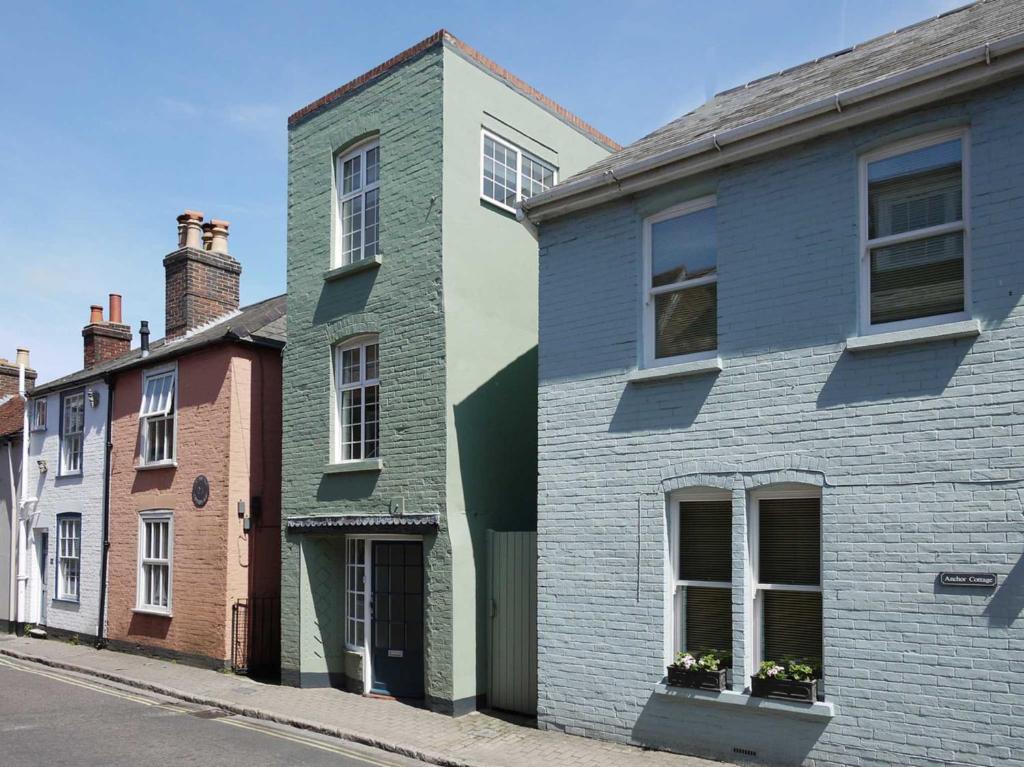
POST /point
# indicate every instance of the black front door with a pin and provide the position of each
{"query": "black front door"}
(397, 618)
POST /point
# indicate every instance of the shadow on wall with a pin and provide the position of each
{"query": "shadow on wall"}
(347, 296)
(665, 405)
(153, 626)
(347, 487)
(1007, 603)
(701, 730)
(893, 374)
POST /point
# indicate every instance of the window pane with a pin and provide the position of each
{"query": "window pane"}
(371, 361)
(792, 626)
(915, 190)
(536, 177)
(915, 279)
(371, 220)
(790, 541)
(351, 175)
(683, 248)
(351, 430)
(500, 172)
(705, 540)
(350, 365)
(686, 321)
(352, 228)
(372, 165)
(708, 619)
(372, 412)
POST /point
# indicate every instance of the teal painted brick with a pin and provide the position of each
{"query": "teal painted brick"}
(920, 449)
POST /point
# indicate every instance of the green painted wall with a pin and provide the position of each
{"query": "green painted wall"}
(490, 309)
(458, 331)
(402, 302)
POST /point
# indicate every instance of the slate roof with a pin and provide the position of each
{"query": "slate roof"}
(261, 324)
(949, 33)
(12, 412)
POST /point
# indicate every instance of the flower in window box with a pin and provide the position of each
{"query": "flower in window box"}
(705, 671)
(793, 679)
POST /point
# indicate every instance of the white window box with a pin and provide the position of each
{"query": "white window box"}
(345, 467)
(339, 272)
(677, 370)
(817, 711)
(943, 332)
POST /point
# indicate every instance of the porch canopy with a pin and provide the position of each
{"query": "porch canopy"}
(363, 523)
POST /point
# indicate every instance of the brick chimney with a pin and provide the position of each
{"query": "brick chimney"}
(9, 375)
(106, 340)
(201, 279)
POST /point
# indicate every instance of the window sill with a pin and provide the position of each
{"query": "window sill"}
(68, 475)
(148, 611)
(943, 332)
(817, 711)
(678, 370)
(156, 465)
(345, 467)
(361, 265)
(67, 600)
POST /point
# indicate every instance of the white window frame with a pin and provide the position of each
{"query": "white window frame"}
(160, 515)
(67, 439)
(352, 544)
(38, 414)
(755, 619)
(649, 293)
(337, 441)
(520, 152)
(675, 632)
(171, 415)
(73, 520)
(360, 150)
(867, 244)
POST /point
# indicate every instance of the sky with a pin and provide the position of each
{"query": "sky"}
(115, 117)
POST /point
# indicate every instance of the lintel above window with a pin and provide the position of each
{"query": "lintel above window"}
(510, 174)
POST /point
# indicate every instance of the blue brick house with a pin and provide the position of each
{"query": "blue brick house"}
(780, 396)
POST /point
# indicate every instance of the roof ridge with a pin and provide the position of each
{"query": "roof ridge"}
(849, 48)
(441, 37)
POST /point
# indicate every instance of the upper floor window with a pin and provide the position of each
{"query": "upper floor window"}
(157, 416)
(914, 220)
(38, 414)
(72, 429)
(511, 174)
(681, 283)
(702, 564)
(358, 177)
(357, 408)
(69, 550)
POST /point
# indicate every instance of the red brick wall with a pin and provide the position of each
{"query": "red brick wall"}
(212, 555)
(104, 342)
(199, 287)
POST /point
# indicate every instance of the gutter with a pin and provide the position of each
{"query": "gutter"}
(950, 75)
(101, 641)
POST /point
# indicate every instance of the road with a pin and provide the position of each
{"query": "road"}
(53, 718)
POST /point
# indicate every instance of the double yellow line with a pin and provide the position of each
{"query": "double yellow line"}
(291, 737)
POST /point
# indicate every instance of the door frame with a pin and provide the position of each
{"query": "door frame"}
(41, 595)
(366, 650)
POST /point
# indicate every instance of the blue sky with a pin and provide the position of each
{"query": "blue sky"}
(118, 116)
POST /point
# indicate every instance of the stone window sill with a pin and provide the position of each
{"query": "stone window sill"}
(680, 369)
(147, 611)
(817, 711)
(346, 467)
(157, 465)
(943, 332)
(362, 265)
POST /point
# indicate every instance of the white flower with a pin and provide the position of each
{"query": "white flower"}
(774, 670)
(688, 661)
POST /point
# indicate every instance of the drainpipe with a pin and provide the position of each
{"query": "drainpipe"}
(101, 641)
(12, 605)
(23, 501)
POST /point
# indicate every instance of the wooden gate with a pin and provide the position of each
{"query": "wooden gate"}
(512, 589)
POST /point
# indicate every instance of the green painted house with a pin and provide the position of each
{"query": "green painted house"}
(410, 375)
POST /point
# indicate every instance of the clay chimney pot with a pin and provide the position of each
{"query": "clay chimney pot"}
(95, 314)
(219, 229)
(190, 229)
(22, 358)
(115, 309)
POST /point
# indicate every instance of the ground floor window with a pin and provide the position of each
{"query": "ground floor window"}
(785, 549)
(702, 567)
(156, 545)
(69, 543)
(355, 593)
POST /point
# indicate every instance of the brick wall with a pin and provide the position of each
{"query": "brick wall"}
(9, 378)
(918, 450)
(200, 286)
(105, 341)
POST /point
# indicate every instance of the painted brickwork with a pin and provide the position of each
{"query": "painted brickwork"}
(228, 430)
(402, 302)
(919, 451)
(77, 494)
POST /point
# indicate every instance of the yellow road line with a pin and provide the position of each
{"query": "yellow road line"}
(78, 683)
(305, 741)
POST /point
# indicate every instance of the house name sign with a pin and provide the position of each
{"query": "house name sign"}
(968, 579)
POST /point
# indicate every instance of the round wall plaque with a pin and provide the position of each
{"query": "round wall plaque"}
(200, 491)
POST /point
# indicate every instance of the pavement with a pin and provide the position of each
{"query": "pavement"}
(480, 739)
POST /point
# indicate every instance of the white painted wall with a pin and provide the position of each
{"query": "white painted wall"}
(56, 495)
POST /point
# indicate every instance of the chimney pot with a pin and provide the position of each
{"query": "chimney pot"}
(115, 308)
(144, 336)
(95, 314)
(207, 235)
(190, 229)
(219, 229)
(22, 358)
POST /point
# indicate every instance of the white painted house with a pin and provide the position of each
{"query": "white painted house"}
(61, 553)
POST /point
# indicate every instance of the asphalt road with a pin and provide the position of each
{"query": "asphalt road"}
(52, 718)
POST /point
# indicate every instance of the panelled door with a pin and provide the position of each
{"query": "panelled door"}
(396, 616)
